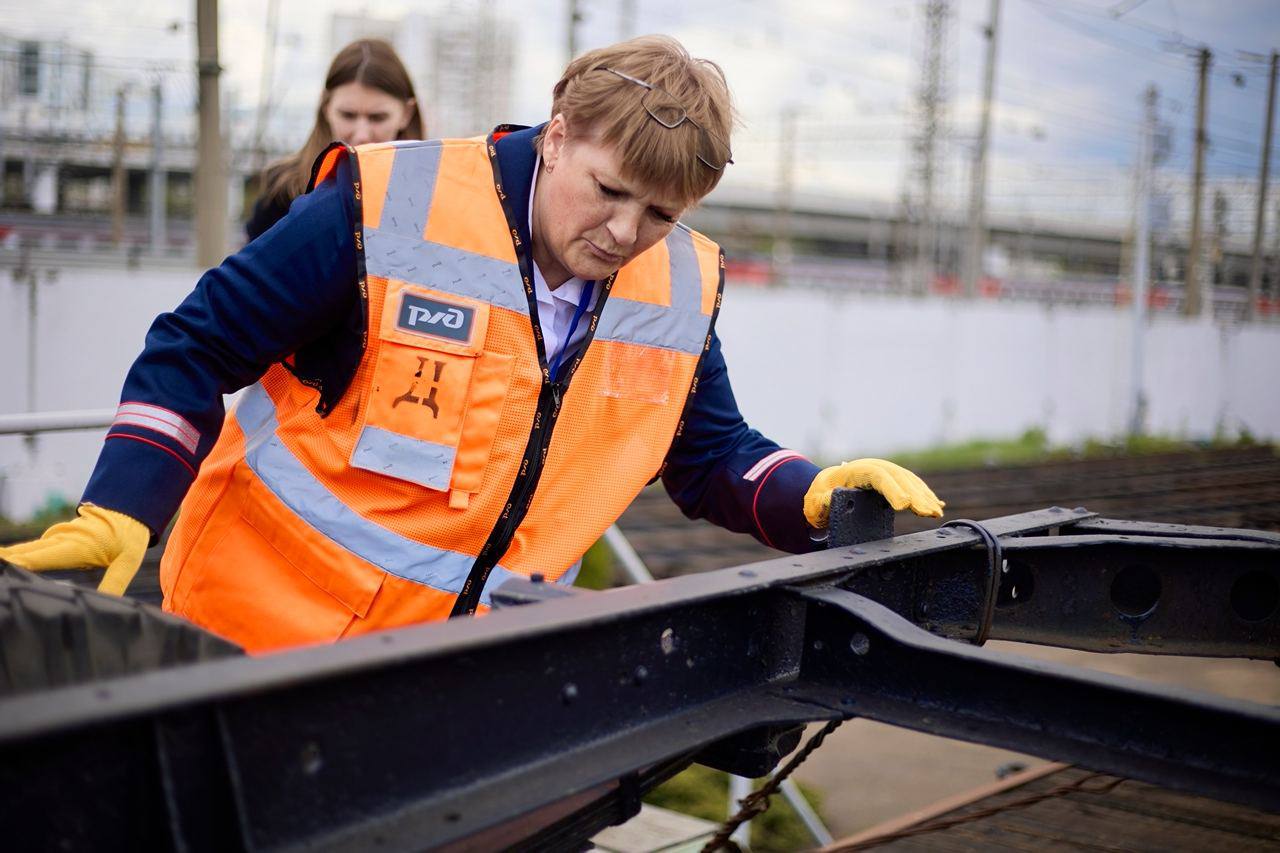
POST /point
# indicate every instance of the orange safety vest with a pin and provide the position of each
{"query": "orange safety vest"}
(453, 461)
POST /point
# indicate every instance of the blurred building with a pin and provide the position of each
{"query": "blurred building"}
(461, 61)
(47, 91)
(68, 120)
(858, 245)
(60, 107)
(46, 81)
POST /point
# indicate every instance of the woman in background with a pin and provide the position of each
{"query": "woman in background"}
(368, 97)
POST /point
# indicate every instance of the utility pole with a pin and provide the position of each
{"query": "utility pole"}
(574, 17)
(156, 196)
(265, 85)
(119, 186)
(1217, 249)
(1275, 254)
(783, 249)
(1192, 289)
(1260, 222)
(978, 175)
(211, 184)
(931, 102)
(1142, 264)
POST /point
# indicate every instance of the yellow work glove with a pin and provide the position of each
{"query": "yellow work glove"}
(99, 537)
(901, 488)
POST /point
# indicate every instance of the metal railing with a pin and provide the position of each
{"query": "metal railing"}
(31, 423)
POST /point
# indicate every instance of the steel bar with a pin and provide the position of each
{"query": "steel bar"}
(36, 422)
(1101, 585)
(877, 665)
(1157, 595)
(437, 732)
(632, 566)
(1180, 531)
(812, 822)
(511, 725)
(638, 572)
(739, 789)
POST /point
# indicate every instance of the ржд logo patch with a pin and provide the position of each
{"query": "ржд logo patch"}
(436, 319)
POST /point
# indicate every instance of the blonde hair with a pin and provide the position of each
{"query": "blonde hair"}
(369, 62)
(601, 105)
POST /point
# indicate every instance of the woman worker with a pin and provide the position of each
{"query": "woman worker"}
(367, 97)
(464, 359)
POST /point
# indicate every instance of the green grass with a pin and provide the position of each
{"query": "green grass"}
(703, 792)
(597, 567)
(1033, 446)
(55, 509)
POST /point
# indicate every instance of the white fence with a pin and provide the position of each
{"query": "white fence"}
(839, 375)
(832, 375)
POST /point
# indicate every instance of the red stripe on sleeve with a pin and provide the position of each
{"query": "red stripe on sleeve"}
(184, 462)
(755, 500)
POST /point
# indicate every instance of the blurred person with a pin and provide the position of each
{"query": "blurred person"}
(367, 97)
(464, 359)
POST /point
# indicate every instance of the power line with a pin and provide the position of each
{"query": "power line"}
(1174, 38)
(1037, 88)
(1049, 10)
(96, 61)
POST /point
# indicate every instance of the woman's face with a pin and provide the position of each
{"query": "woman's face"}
(587, 220)
(358, 114)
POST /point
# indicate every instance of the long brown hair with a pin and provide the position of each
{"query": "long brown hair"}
(369, 62)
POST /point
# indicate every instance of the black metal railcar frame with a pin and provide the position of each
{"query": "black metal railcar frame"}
(538, 725)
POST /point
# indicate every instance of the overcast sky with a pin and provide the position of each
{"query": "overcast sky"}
(1069, 86)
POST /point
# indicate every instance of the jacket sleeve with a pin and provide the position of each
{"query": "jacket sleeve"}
(722, 470)
(278, 293)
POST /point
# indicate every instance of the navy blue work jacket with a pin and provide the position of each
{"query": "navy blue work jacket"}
(293, 291)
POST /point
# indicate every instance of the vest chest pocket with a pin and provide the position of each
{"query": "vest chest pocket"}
(436, 395)
(640, 373)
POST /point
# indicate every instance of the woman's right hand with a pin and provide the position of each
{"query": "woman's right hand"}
(99, 537)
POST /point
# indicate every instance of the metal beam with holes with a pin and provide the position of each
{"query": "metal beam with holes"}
(542, 723)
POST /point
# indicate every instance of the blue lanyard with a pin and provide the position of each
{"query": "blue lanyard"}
(573, 324)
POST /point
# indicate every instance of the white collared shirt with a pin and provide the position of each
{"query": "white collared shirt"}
(556, 307)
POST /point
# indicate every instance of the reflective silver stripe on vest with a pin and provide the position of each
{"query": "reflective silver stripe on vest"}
(632, 322)
(409, 191)
(308, 498)
(686, 275)
(393, 455)
(499, 576)
(444, 268)
(397, 248)
(681, 327)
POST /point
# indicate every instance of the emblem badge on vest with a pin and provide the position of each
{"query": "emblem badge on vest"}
(436, 319)
(430, 399)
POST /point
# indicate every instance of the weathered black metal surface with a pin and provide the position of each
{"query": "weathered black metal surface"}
(754, 753)
(1177, 531)
(542, 720)
(877, 665)
(1095, 584)
(1153, 594)
(857, 516)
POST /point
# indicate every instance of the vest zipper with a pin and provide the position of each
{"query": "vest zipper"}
(513, 514)
(550, 398)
